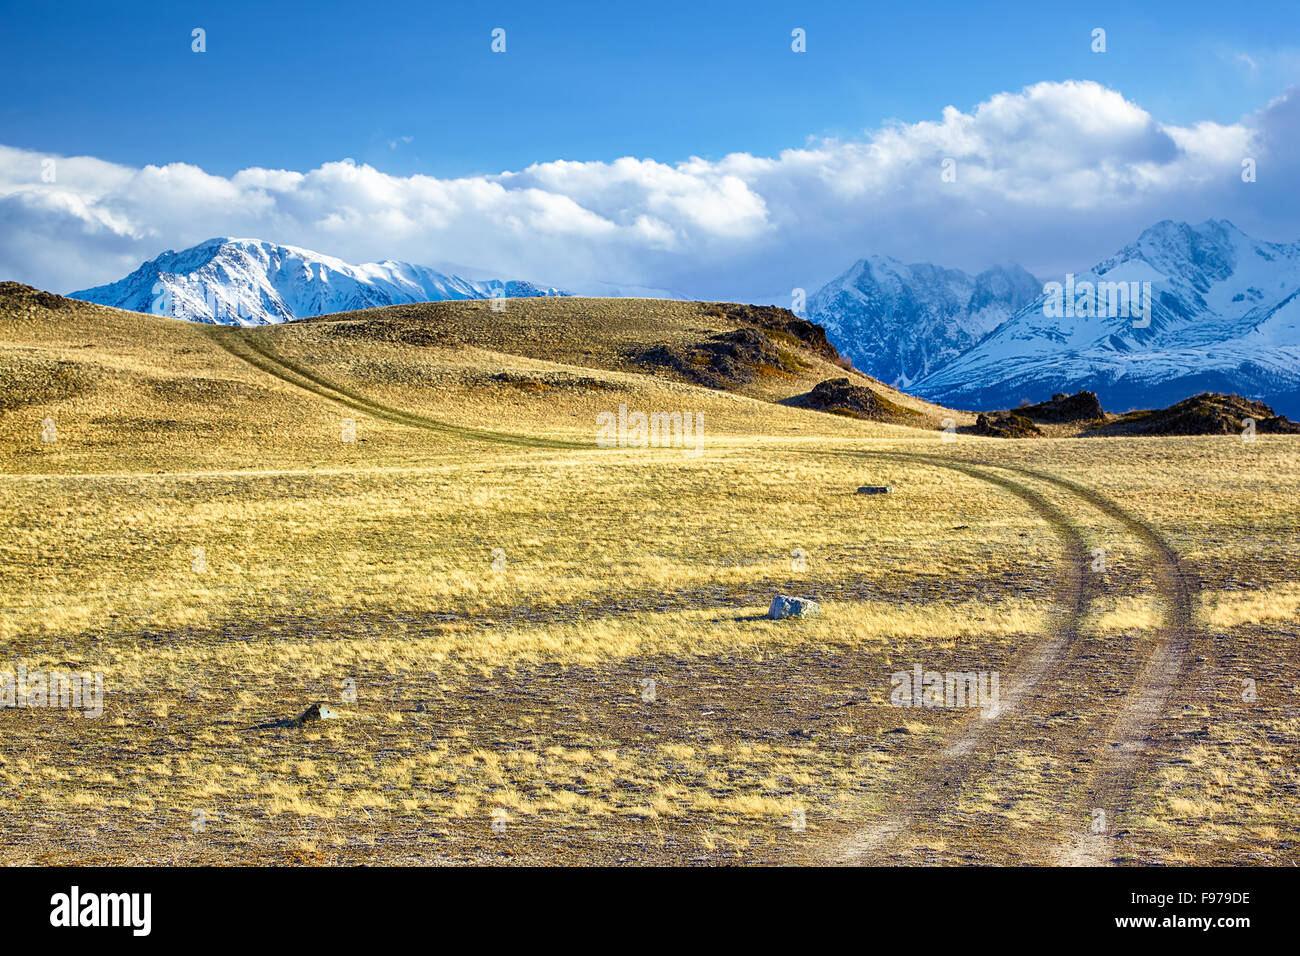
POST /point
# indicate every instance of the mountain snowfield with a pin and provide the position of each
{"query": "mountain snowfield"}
(1224, 316)
(253, 282)
(900, 322)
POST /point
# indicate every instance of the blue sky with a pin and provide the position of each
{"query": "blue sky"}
(676, 148)
(294, 85)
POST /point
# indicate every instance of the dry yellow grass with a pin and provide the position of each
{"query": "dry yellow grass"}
(557, 654)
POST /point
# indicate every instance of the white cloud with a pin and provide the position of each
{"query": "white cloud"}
(1056, 176)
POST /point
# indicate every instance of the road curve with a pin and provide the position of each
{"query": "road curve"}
(1113, 787)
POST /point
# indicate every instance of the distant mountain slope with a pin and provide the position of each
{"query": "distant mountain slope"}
(900, 322)
(1224, 317)
(252, 282)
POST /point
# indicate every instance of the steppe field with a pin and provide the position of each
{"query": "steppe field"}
(540, 650)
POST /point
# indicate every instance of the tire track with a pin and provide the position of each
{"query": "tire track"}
(245, 347)
(950, 772)
(1114, 786)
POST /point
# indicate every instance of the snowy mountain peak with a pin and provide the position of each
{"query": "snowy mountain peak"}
(899, 322)
(231, 281)
(1223, 315)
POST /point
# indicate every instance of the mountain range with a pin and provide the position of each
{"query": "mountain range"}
(253, 282)
(1222, 314)
(1183, 309)
(899, 323)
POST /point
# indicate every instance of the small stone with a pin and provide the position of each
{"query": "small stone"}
(313, 713)
(316, 712)
(784, 606)
(876, 490)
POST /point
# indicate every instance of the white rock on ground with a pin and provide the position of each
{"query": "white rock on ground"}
(784, 606)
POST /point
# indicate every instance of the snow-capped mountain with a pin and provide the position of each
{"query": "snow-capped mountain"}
(901, 322)
(1224, 316)
(252, 282)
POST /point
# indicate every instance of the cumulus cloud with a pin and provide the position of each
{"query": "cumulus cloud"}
(1055, 176)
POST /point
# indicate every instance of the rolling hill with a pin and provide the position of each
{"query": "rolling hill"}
(124, 386)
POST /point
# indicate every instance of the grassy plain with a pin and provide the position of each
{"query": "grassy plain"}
(551, 652)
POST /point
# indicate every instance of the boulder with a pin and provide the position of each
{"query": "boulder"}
(784, 606)
(1005, 425)
(840, 396)
(313, 713)
(1080, 407)
(318, 712)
